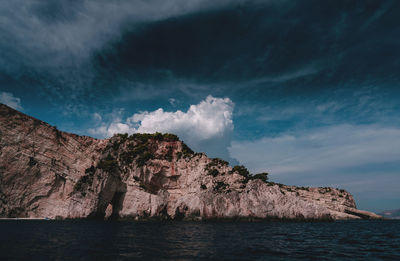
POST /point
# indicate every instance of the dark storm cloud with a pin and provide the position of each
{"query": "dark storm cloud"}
(86, 53)
(273, 41)
(49, 45)
(59, 32)
(76, 48)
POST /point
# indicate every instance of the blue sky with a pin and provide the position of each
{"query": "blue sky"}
(306, 90)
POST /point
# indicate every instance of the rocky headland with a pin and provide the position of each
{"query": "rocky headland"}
(47, 173)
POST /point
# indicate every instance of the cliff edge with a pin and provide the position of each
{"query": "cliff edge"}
(47, 173)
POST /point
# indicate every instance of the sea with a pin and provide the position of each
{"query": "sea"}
(123, 240)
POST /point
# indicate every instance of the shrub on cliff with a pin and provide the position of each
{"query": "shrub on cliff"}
(127, 157)
(140, 137)
(123, 137)
(220, 186)
(241, 170)
(213, 172)
(170, 137)
(157, 136)
(144, 137)
(108, 164)
(262, 176)
(115, 145)
(169, 154)
(83, 184)
(85, 181)
(186, 151)
(211, 167)
(216, 162)
(143, 158)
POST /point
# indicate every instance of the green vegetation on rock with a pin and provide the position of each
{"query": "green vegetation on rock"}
(186, 151)
(262, 176)
(221, 186)
(212, 166)
(108, 164)
(141, 147)
(170, 137)
(217, 162)
(169, 154)
(241, 170)
(143, 158)
(144, 137)
(85, 181)
(213, 172)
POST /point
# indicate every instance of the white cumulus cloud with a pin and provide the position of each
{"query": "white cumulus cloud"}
(206, 126)
(9, 100)
(209, 119)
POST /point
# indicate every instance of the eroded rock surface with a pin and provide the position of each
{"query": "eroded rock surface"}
(46, 173)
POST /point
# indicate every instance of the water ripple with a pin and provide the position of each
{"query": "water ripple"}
(88, 240)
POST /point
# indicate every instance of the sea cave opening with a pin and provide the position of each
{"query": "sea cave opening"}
(110, 203)
(115, 206)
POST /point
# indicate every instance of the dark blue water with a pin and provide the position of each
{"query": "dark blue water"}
(91, 240)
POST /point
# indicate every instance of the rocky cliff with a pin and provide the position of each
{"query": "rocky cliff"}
(47, 173)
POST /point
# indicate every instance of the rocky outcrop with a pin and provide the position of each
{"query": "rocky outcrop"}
(46, 173)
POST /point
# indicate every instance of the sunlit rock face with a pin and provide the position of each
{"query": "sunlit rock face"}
(46, 173)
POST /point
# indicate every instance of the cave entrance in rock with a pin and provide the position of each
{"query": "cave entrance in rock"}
(116, 205)
(110, 202)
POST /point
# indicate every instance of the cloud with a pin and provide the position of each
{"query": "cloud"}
(206, 126)
(210, 118)
(305, 70)
(172, 101)
(9, 100)
(321, 149)
(97, 117)
(64, 32)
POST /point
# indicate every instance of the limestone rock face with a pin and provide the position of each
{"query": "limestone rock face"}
(46, 173)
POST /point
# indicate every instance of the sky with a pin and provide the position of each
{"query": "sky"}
(308, 91)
